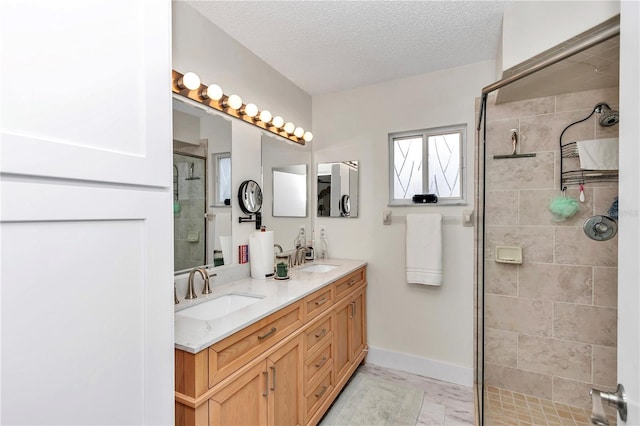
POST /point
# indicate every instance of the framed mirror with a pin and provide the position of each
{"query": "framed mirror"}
(286, 187)
(338, 189)
(201, 186)
(289, 191)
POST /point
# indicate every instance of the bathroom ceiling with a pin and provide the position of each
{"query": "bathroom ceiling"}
(329, 46)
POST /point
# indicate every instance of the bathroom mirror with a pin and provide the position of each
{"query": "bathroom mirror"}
(338, 189)
(286, 187)
(250, 197)
(201, 186)
(290, 191)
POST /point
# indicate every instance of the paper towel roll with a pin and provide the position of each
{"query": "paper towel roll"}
(261, 254)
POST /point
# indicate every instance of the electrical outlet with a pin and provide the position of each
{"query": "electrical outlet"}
(323, 232)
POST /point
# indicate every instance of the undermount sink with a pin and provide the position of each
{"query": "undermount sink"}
(319, 268)
(220, 306)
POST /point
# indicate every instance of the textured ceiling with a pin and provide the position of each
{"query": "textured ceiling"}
(329, 46)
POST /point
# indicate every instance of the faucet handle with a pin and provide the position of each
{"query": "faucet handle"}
(206, 289)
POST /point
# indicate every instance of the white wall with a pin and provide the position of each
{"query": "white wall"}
(202, 47)
(531, 27)
(434, 324)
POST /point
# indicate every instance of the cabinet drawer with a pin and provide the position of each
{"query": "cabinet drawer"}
(350, 282)
(318, 394)
(315, 363)
(228, 355)
(317, 303)
(316, 333)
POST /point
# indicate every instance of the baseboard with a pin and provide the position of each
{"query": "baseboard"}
(422, 366)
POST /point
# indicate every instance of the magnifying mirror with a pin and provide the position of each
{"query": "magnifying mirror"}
(250, 197)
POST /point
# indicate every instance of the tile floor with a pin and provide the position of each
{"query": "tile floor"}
(444, 404)
(507, 408)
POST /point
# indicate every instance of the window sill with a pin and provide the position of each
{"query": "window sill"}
(443, 203)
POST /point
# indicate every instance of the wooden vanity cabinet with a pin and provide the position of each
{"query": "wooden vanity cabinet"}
(289, 376)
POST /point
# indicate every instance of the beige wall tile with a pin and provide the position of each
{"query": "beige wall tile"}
(588, 99)
(605, 286)
(542, 132)
(573, 247)
(554, 357)
(572, 392)
(517, 314)
(499, 136)
(521, 173)
(555, 282)
(524, 108)
(588, 324)
(535, 384)
(501, 208)
(533, 207)
(605, 365)
(500, 347)
(501, 278)
(607, 132)
(603, 198)
(536, 242)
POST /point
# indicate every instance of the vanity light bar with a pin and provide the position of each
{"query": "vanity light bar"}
(233, 105)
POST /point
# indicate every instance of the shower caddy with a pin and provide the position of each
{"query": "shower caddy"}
(570, 150)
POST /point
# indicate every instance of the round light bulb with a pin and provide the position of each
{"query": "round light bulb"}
(234, 101)
(191, 81)
(289, 127)
(277, 122)
(213, 92)
(298, 132)
(265, 116)
(251, 110)
(308, 136)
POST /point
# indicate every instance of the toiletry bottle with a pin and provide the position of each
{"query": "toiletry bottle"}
(310, 253)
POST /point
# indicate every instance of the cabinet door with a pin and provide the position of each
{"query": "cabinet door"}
(342, 319)
(285, 384)
(357, 331)
(243, 401)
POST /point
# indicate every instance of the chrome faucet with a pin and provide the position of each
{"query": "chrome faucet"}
(206, 289)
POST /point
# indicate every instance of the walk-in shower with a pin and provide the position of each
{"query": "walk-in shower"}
(541, 343)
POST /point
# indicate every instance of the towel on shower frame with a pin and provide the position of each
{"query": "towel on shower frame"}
(424, 249)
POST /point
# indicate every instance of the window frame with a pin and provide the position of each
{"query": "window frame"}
(216, 156)
(424, 134)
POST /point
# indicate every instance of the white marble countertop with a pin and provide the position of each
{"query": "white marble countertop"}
(193, 335)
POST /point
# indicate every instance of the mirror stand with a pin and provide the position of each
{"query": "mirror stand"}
(257, 220)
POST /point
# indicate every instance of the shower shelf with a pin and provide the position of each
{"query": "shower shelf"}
(584, 176)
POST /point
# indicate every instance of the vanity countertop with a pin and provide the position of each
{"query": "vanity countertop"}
(193, 335)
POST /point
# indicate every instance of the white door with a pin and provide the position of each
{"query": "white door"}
(86, 308)
(629, 230)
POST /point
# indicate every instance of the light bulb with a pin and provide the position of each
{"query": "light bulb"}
(308, 136)
(265, 116)
(298, 132)
(289, 127)
(251, 110)
(190, 81)
(213, 92)
(234, 101)
(277, 122)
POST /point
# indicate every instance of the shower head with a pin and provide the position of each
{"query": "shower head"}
(608, 117)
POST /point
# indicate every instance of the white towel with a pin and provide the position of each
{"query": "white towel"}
(598, 154)
(424, 249)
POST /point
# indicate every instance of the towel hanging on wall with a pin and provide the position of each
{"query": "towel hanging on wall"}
(424, 249)
(598, 154)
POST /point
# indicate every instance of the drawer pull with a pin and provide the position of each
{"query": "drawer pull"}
(352, 282)
(322, 362)
(322, 391)
(269, 333)
(353, 309)
(266, 384)
(321, 301)
(322, 333)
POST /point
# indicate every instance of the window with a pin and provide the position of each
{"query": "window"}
(222, 176)
(428, 161)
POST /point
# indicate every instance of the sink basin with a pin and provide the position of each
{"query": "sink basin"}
(220, 306)
(318, 268)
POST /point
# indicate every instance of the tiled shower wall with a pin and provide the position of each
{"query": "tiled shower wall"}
(550, 323)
